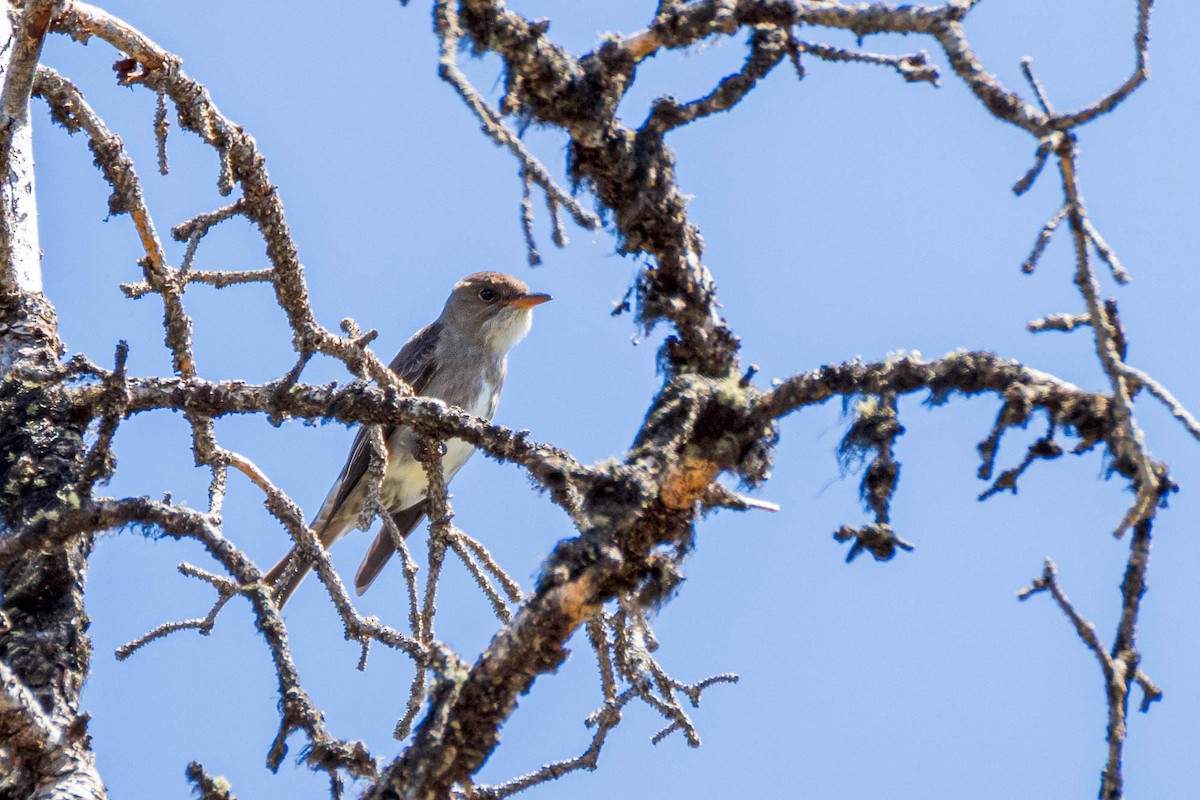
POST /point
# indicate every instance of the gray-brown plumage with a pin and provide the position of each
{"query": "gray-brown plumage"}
(460, 359)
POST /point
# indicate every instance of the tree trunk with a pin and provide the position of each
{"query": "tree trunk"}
(44, 647)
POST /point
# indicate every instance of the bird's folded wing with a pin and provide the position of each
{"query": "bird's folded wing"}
(415, 365)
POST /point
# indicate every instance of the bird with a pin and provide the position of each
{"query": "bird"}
(460, 359)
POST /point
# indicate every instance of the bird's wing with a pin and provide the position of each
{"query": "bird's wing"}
(383, 546)
(414, 363)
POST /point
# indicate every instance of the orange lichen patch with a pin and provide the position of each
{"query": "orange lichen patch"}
(39, 21)
(642, 44)
(577, 600)
(684, 485)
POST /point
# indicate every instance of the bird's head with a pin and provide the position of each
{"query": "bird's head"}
(496, 308)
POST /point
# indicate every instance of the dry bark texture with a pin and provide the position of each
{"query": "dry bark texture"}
(634, 518)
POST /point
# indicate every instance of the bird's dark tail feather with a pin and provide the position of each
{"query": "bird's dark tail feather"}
(383, 546)
(286, 576)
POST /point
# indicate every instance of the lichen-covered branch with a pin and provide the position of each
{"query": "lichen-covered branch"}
(614, 558)
(767, 46)
(553, 467)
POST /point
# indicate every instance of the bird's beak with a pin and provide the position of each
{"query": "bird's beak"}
(530, 300)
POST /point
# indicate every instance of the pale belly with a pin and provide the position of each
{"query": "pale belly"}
(405, 482)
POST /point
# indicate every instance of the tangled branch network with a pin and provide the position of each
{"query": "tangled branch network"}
(634, 518)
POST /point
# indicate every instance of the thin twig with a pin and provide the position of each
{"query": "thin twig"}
(531, 250)
(161, 127)
(1141, 72)
(767, 46)
(1106, 253)
(492, 124)
(914, 68)
(1044, 149)
(216, 278)
(1155, 388)
(1043, 239)
(1038, 90)
(1059, 322)
(1048, 582)
(604, 720)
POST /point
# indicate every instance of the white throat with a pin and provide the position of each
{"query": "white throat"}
(507, 328)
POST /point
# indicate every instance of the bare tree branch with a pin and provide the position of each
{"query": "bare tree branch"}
(150, 65)
(1131, 445)
(1120, 664)
(767, 48)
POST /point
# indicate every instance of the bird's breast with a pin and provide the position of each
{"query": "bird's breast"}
(404, 483)
(484, 405)
(486, 400)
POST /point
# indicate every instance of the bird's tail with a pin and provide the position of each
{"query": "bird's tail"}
(383, 547)
(329, 526)
(287, 575)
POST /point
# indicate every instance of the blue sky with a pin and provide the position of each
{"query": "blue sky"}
(848, 214)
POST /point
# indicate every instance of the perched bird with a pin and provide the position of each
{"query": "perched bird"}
(460, 359)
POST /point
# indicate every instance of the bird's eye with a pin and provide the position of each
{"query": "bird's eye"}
(487, 295)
